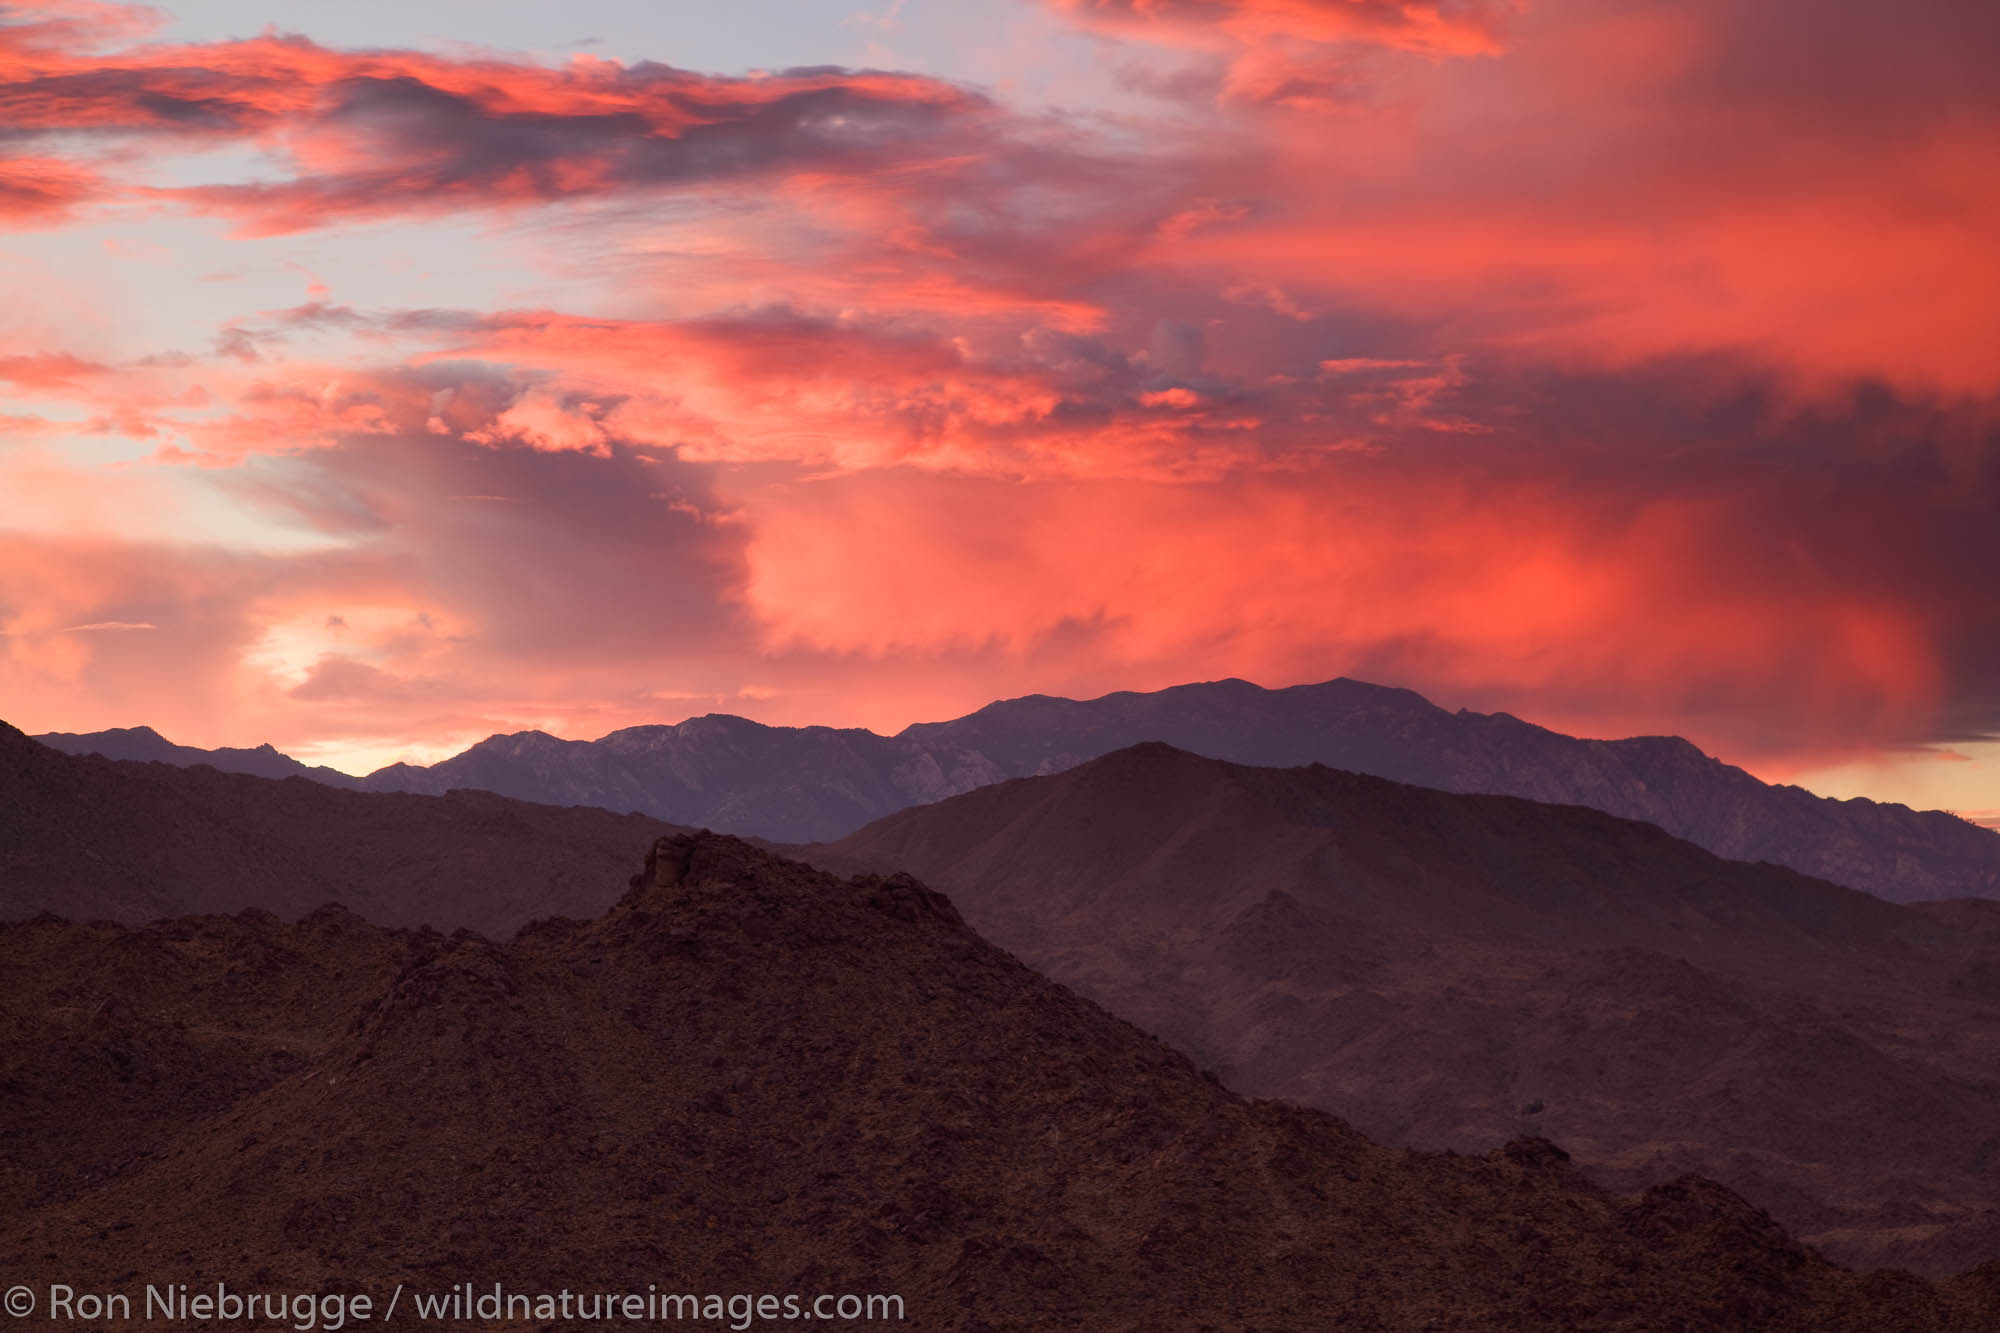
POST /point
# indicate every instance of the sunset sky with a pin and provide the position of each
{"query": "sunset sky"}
(374, 377)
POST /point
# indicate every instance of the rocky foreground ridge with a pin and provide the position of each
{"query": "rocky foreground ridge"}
(749, 1076)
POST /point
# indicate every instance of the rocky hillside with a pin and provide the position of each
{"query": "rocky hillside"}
(1450, 970)
(817, 783)
(750, 1078)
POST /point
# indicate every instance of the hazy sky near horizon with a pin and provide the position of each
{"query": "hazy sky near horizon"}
(375, 377)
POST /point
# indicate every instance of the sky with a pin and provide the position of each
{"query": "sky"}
(375, 377)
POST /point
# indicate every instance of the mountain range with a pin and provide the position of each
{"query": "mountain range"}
(1453, 970)
(1443, 970)
(748, 1078)
(814, 784)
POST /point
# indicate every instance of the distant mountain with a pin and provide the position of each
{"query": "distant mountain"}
(1447, 970)
(1888, 850)
(720, 772)
(815, 783)
(751, 1079)
(144, 745)
(93, 838)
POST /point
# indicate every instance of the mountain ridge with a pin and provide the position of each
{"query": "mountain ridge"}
(814, 784)
(144, 745)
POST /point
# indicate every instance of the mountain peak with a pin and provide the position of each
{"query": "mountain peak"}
(718, 722)
(704, 870)
(1227, 685)
(528, 735)
(1146, 752)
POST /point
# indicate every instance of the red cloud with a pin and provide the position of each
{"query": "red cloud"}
(39, 190)
(1660, 619)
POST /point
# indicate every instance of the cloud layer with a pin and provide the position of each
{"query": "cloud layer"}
(1631, 367)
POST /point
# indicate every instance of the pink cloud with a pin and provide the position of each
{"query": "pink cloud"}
(47, 371)
(1629, 367)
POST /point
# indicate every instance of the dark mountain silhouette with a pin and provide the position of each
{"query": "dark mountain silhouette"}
(144, 745)
(749, 1077)
(816, 783)
(1448, 970)
(96, 838)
